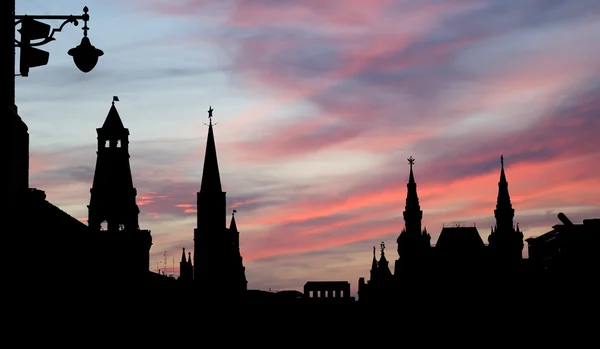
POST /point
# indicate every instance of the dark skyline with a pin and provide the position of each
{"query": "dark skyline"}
(526, 88)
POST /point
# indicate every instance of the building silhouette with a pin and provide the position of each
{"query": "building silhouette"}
(459, 258)
(186, 268)
(505, 242)
(218, 266)
(113, 211)
(568, 250)
(117, 251)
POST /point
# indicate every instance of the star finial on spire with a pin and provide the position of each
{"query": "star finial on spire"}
(233, 213)
(502, 160)
(382, 247)
(411, 161)
(210, 116)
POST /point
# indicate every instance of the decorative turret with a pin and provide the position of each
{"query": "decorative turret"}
(374, 265)
(185, 267)
(413, 243)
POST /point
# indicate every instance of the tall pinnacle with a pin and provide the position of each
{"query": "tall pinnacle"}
(233, 225)
(503, 201)
(412, 199)
(504, 211)
(211, 179)
(412, 211)
(374, 262)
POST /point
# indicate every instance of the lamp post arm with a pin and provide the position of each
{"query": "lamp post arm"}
(85, 17)
(50, 37)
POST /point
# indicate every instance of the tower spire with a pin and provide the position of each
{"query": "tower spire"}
(374, 263)
(113, 123)
(233, 225)
(504, 211)
(412, 211)
(411, 177)
(505, 241)
(211, 179)
(413, 243)
(373, 271)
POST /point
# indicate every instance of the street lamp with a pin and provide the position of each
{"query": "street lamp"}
(84, 55)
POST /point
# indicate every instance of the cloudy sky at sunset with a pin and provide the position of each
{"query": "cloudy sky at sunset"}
(319, 104)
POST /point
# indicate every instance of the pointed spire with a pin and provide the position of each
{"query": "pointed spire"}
(412, 210)
(211, 179)
(183, 255)
(411, 178)
(113, 120)
(374, 263)
(412, 199)
(502, 175)
(190, 258)
(504, 211)
(232, 225)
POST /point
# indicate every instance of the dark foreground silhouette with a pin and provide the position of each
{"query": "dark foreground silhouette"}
(112, 252)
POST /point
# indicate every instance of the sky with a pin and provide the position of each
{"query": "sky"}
(319, 104)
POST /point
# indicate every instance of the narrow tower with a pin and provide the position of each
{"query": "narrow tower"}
(413, 243)
(113, 197)
(505, 242)
(113, 212)
(217, 261)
